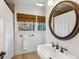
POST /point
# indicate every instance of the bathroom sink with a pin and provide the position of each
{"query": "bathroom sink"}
(46, 51)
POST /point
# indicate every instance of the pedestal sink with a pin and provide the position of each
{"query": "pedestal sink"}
(48, 52)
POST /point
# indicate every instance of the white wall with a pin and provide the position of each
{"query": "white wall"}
(8, 27)
(30, 9)
(72, 44)
(37, 39)
(1, 27)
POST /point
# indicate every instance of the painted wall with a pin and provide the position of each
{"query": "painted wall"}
(72, 45)
(8, 28)
(1, 27)
(28, 44)
(30, 9)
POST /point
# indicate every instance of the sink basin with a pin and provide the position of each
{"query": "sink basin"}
(47, 51)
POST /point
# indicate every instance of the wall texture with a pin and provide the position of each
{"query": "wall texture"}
(72, 45)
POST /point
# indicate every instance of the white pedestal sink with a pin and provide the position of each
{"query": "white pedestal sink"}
(47, 51)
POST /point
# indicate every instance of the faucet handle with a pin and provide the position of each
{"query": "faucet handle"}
(62, 49)
(65, 49)
(53, 45)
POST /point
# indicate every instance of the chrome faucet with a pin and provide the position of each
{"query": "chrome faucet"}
(57, 47)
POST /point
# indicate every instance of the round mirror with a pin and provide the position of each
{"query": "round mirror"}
(64, 20)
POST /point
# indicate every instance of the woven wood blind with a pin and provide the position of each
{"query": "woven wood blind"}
(41, 19)
(25, 18)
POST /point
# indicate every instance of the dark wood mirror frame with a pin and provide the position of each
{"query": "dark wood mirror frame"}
(75, 31)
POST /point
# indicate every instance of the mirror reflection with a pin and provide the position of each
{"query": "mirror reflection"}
(63, 20)
(63, 24)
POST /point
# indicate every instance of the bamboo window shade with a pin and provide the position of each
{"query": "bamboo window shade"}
(25, 18)
(41, 19)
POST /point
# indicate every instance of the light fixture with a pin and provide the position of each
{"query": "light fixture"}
(50, 2)
(39, 4)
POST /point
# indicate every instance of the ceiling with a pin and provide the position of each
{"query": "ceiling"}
(28, 2)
